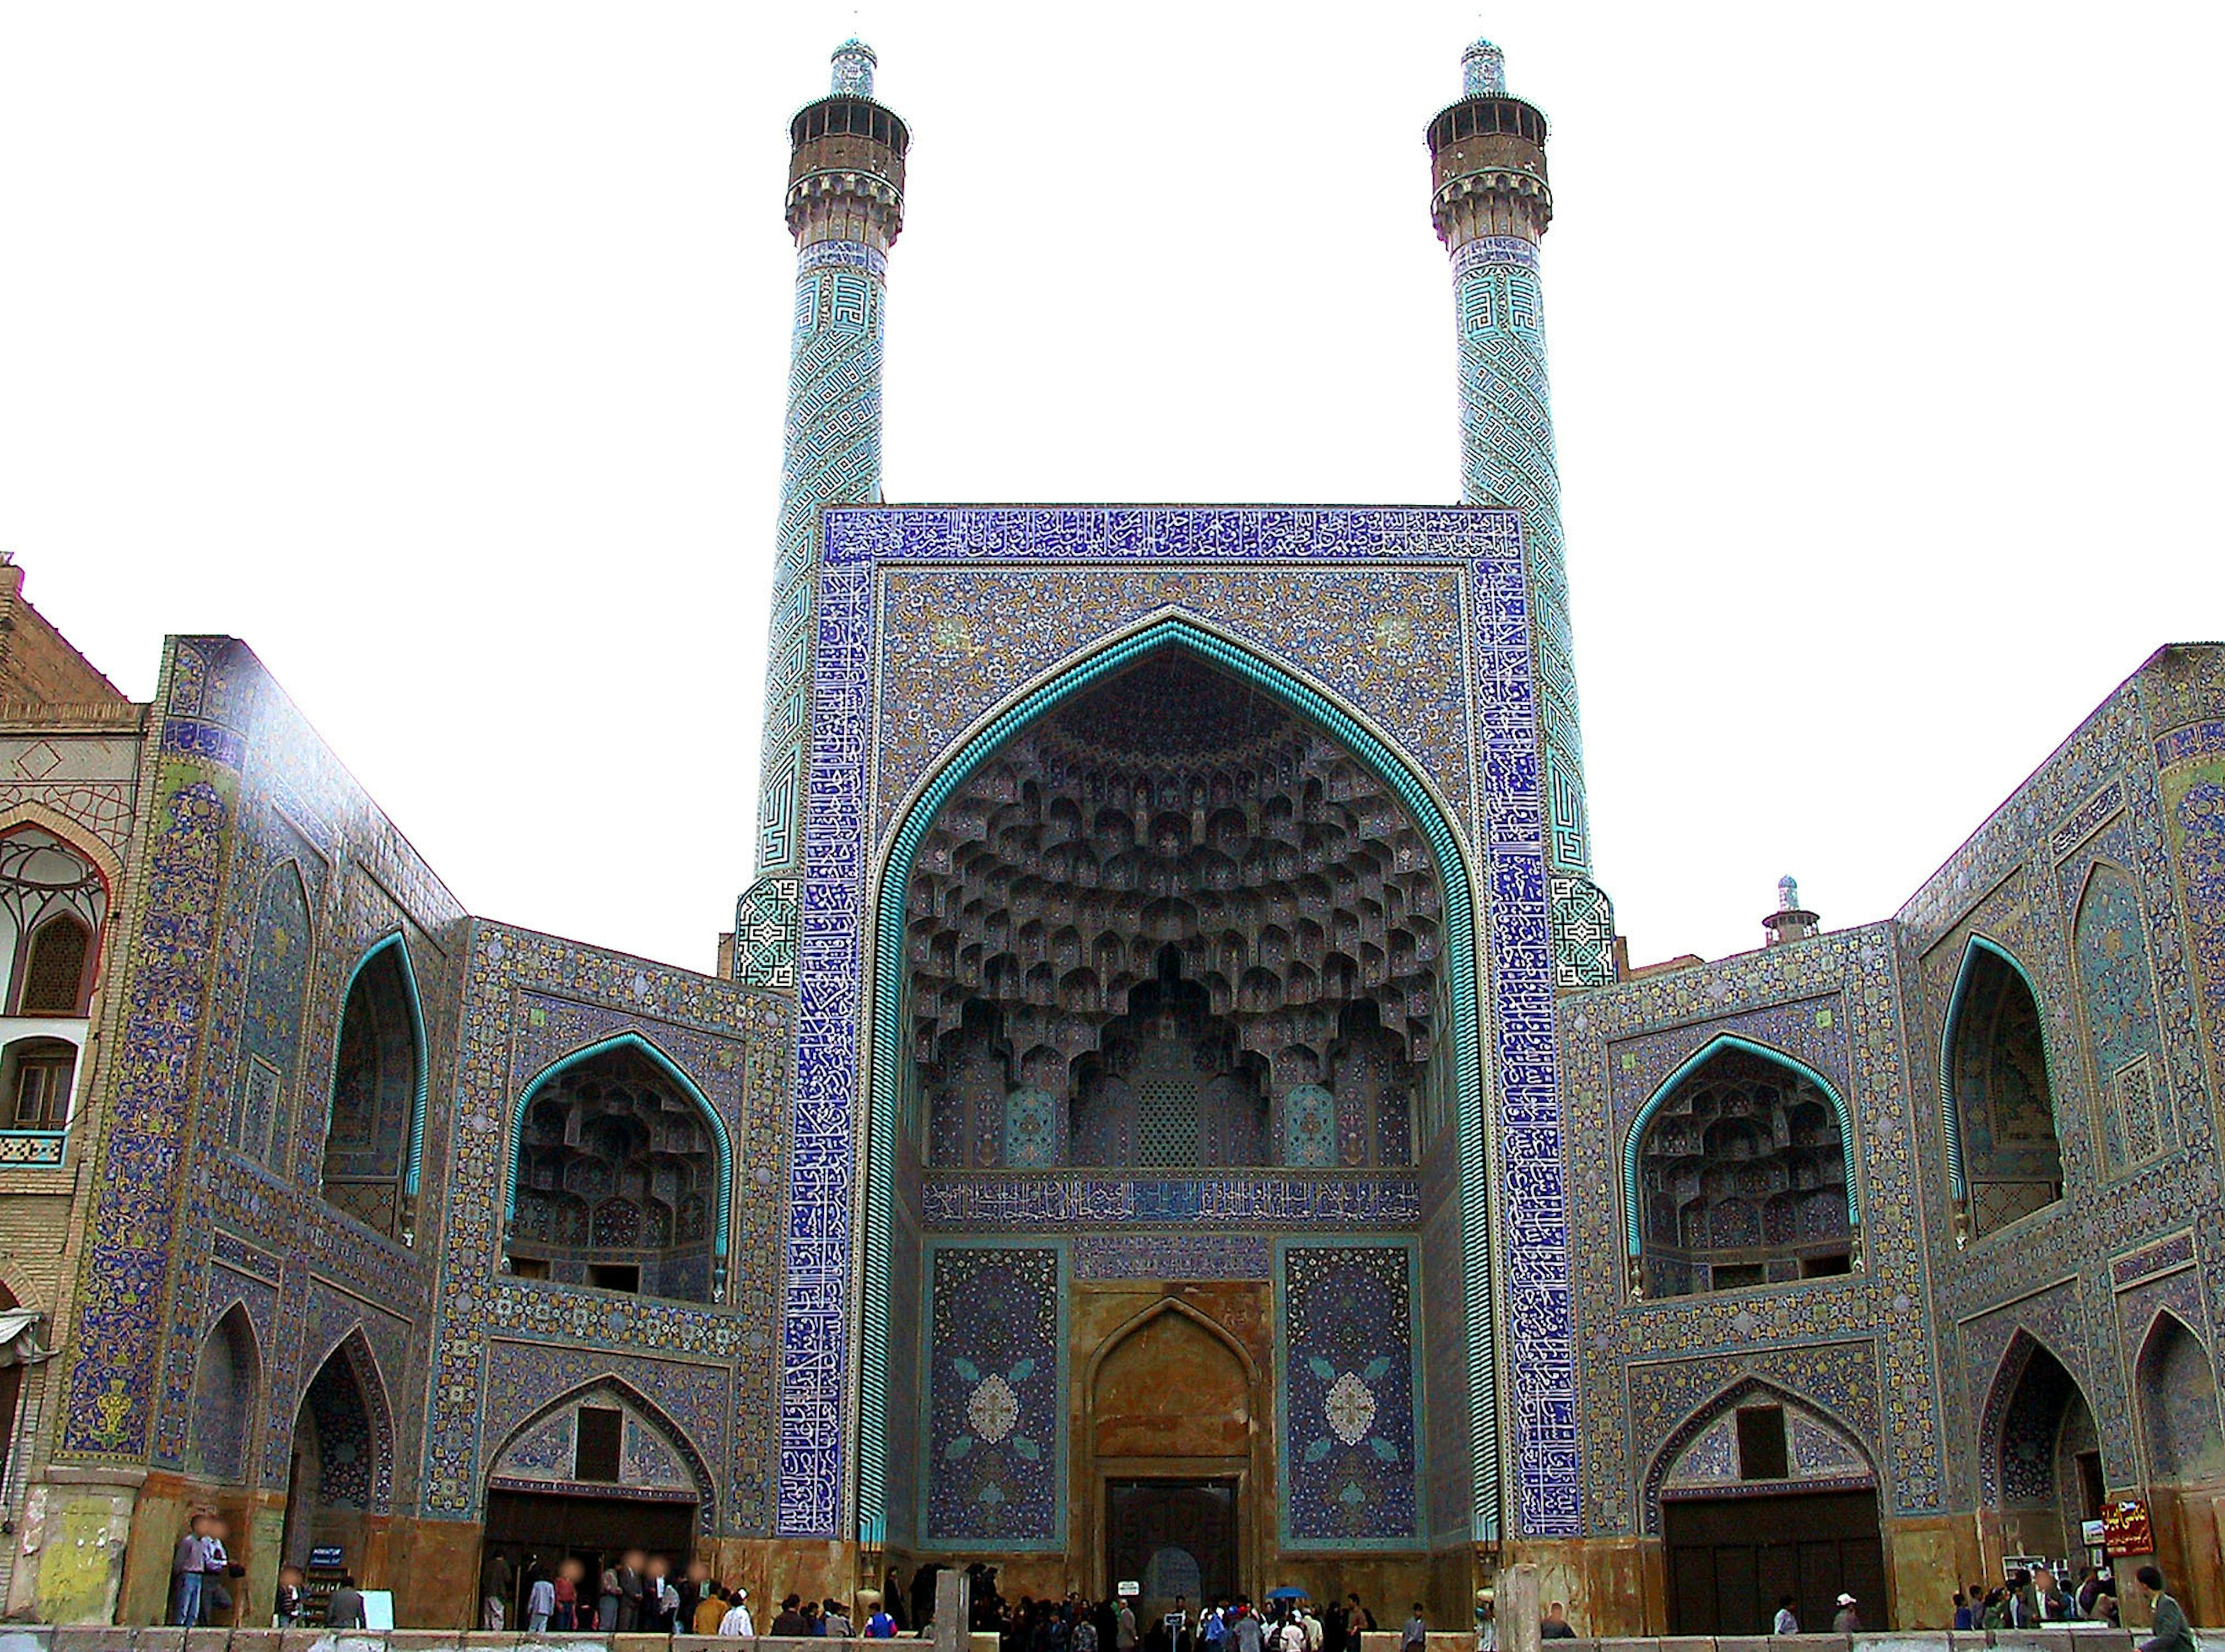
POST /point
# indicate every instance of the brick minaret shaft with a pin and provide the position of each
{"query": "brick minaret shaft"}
(1491, 206)
(845, 207)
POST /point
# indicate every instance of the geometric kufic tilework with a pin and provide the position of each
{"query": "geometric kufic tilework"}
(1345, 1351)
(1583, 933)
(764, 934)
(993, 1471)
(1276, 549)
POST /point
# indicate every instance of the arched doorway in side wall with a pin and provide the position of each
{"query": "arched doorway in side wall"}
(338, 1484)
(600, 1471)
(1171, 1420)
(1761, 1496)
(2042, 1459)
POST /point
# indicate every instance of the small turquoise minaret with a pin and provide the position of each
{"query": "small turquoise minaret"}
(1490, 205)
(846, 179)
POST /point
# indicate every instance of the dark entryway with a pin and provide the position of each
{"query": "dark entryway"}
(535, 1530)
(1173, 1537)
(1731, 1558)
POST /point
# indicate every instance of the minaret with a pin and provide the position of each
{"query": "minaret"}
(1792, 920)
(846, 178)
(1491, 206)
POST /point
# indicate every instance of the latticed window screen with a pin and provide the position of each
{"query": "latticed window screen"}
(1166, 1123)
(55, 966)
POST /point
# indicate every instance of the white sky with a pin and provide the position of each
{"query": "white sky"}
(439, 351)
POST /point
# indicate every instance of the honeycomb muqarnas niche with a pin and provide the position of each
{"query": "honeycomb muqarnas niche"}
(1173, 1106)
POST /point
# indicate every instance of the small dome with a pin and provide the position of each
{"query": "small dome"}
(854, 63)
(1483, 71)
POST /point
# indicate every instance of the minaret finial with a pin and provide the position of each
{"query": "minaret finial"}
(1788, 894)
(1483, 71)
(854, 69)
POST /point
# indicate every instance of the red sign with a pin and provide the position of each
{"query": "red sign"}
(2125, 1528)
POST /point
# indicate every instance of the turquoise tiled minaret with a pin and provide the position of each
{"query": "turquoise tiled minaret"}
(846, 181)
(1491, 206)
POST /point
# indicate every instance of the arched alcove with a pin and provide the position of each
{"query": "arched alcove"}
(378, 1093)
(2006, 1160)
(2176, 1385)
(992, 944)
(599, 1471)
(620, 1177)
(2131, 1088)
(1737, 1173)
(270, 1025)
(1761, 1492)
(226, 1379)
(343, 1441)
(1173, 915)
(2040, 1450)
(54, 899)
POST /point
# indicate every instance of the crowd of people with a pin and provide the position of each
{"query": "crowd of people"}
(1288, 1623)
(639, 1594)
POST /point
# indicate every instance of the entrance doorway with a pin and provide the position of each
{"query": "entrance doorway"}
(537, 1531)
(1177, 1539)
(1730, 1558)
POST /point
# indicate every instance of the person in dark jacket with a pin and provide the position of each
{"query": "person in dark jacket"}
(2172, 1632)
(792, 1620)
(345, 1609)
(630, 1566)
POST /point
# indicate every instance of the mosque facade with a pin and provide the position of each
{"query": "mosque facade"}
(1173, 1107)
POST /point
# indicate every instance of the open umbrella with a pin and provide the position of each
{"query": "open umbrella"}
(1286, 1592)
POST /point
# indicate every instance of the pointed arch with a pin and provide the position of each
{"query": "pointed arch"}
(723, 1200)
(57, 890)
(1633, 1141)
(349, 1414)
(1166, 1304)
(1728, 1398)
(630, 1397)
(72, 831)
(1990, 973)
(353, 1347)
(270, 1025)
(2182, 1431)
(2029, 1357)
(2130, 1080)
(227, 1377)
(388, 955)
(884, 1080)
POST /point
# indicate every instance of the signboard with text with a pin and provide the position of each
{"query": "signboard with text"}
(2125, 1528)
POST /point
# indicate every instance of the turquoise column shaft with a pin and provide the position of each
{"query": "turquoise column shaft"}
(1507, 460)
(831, 455)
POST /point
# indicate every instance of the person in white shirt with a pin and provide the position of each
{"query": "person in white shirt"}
(1788, 1621)
(539, 1604)
(737, 1622)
